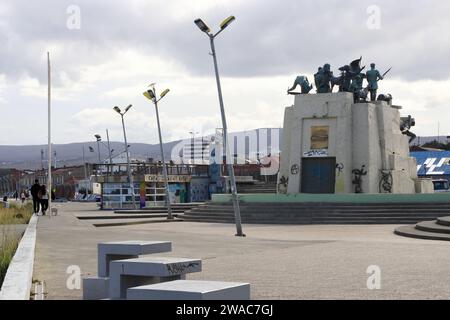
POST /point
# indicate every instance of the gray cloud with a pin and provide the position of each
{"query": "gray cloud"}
(268, 38)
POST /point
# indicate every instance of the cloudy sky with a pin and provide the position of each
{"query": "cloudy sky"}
(122, 46)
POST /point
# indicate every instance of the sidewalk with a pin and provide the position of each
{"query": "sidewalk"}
(280, 262)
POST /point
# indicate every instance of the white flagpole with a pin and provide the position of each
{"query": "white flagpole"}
(49, 179)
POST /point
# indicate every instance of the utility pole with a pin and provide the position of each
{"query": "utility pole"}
(49, 178)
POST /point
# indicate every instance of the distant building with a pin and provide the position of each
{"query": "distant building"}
(9, 181)
(433, 164)
(66, 181)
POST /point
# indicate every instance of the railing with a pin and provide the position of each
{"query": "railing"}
(194, 170)
(120, 169)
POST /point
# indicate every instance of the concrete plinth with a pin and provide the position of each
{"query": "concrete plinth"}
(148, 270)
(95, 288)
(191, 290)
(120, 250)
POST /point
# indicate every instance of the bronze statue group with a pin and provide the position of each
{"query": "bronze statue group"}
(351, 80)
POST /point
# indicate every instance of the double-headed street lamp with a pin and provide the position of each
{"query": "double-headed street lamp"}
(130, 176)
(107, 146)
(204, 28)
(151, 95)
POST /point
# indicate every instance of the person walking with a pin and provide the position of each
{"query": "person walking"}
(44, 199)
(23, 197)
(34, 194)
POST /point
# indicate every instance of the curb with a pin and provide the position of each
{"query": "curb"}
(17, 283)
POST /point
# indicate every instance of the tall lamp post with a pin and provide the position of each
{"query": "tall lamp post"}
(130, 176)
(204, 28)
(151, 95)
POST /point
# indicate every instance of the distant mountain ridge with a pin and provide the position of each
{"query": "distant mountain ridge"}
(29, 157)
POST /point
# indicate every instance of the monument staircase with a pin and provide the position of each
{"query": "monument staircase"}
(319, 212)
(438, 229)
(257, 187)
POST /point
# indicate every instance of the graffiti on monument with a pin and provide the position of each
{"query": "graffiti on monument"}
(295, 169)
(315, 153)
(357, 180)
(283, 184)
(385, 181)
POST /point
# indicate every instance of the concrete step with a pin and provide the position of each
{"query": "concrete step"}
(412, 232)
(191, 290)
(445, 221)
(129, 273)
(175, 208)
(124, 216)
(432, 226)
(127, 222)
(400, 204)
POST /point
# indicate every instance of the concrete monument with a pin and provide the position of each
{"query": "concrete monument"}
(333, 145)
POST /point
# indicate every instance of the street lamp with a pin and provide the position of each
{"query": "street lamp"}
(204, 28)
(130, 176)
(151, 95)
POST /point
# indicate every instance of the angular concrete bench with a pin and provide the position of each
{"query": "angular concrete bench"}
(129, 273)
(120, 250)
(95, 288)
(191, 290)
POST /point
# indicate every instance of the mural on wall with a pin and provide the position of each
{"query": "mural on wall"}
(178, 193)
(142, 187)
(319, 137)
(199, 190)
(357, 181)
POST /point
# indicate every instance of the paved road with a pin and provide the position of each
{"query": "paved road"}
(280, 262)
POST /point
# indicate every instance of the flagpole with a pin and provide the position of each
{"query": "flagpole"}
(49, 179)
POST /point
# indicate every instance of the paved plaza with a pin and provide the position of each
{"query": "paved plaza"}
(280, 262)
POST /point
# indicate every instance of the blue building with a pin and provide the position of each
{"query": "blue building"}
(433, 164)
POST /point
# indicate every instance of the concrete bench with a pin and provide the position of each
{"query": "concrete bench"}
(191, 290)
(95, 288)
(120, 250)
(129, 273)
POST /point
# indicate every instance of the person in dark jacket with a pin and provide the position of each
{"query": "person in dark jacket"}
(35, 190)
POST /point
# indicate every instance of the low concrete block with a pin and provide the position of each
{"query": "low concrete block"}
(191, 290)
(148, 270)
(95, 288)
(119, 250)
